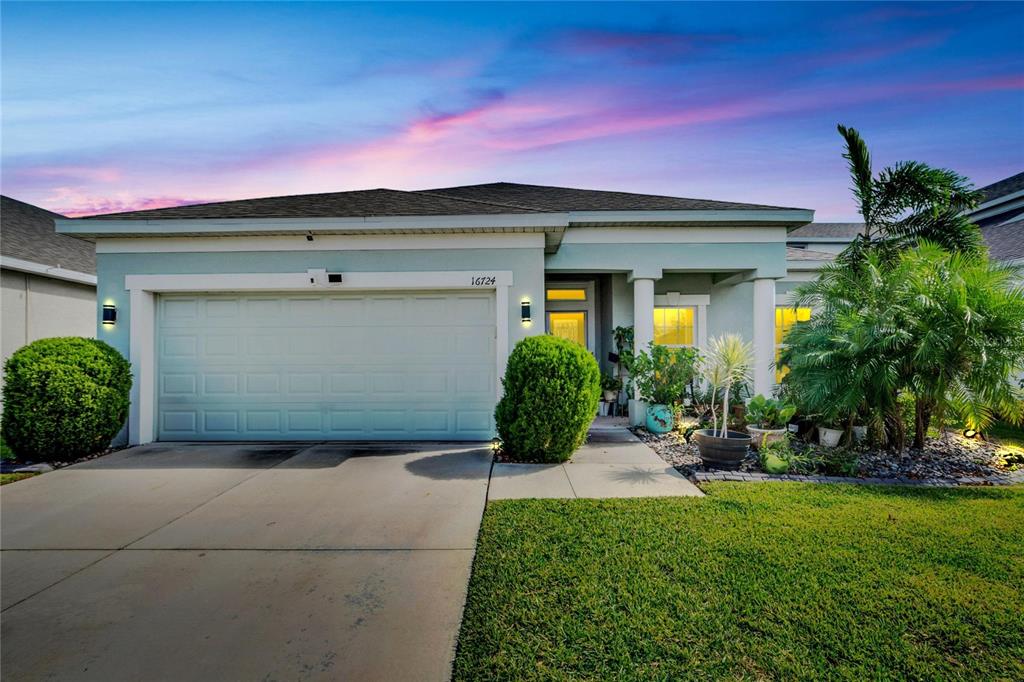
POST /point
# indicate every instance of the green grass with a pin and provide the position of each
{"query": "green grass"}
(11, 478)
(755, 581)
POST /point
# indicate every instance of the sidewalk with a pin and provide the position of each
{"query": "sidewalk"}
(612, 463)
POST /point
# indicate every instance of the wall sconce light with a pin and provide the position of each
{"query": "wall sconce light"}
(525, 308)
(109, 313)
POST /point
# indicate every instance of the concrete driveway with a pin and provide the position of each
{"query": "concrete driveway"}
(242, 562)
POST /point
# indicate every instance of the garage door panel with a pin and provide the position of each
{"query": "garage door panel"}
(371, 366)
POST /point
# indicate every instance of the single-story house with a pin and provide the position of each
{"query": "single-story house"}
(386, 314)
(1000, 215)
(47, 280)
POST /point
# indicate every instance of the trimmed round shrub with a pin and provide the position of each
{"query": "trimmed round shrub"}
(64, 398)
(552, 387)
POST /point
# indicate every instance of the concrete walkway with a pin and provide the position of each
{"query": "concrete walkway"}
(612, 463)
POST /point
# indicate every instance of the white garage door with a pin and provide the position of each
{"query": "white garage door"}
(380, 366)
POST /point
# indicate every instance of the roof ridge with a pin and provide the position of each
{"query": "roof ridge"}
(436, 193)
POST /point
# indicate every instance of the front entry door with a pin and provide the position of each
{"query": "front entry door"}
(569, 324)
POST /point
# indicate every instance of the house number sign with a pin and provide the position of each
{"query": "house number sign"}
(482, 281)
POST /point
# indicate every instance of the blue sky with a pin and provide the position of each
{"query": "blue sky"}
(111, 106)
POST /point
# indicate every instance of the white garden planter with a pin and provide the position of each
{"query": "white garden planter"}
(611, 396)
(758, 436)
(829, 437)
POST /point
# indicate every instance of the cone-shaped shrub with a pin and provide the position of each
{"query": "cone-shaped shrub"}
(552, 387)
(64, 398)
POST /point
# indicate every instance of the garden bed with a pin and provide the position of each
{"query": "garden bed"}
(948, 460)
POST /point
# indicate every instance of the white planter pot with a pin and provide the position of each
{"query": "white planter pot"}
(637, 412)
(602, 409)
(829, 437)
(860, 434)
(611, 396)
(759, 435)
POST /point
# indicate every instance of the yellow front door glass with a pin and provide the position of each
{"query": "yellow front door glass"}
(569, 325)
(673, 326)
(785, 318)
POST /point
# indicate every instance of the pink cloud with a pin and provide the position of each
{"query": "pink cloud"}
(75, 204)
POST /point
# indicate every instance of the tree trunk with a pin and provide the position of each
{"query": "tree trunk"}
(725, 412)
(922, 418)
(896, 431)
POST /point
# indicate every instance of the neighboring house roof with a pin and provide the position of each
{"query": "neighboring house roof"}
(827, 231)
(1014, 183)
(490, 199)
(1001, 202)
(27, 236)
(1005, 241)
(541, 197)
(795, 254)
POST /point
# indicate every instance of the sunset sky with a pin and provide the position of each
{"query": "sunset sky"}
(120, 106)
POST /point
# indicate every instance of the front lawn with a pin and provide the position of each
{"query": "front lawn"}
(755, 581)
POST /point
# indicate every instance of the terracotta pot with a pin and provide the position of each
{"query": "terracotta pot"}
(759, 435)
(721, 453)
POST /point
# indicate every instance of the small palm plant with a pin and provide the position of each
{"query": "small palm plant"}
(727, 362)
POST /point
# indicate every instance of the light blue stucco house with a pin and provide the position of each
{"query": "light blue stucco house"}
(387, 314)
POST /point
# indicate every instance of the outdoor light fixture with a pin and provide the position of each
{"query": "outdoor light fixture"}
(109, 313)
(309, 236)
(525, 307)
(970, 433)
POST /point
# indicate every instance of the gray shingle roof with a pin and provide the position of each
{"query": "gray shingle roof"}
(27, 233)
(357, 204)
(827, 231)
(1014, 183)
(490, 199)
(570, 199)
(807, 254)
(1005, 241)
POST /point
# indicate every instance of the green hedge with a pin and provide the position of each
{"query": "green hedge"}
(552, 387)
(64, 398)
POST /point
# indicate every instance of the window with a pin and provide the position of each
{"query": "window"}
(567, 294)
(569, 325)
(673, 326)
(785, 318)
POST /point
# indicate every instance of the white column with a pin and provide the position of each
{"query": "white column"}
(643, 333)
(764, 335)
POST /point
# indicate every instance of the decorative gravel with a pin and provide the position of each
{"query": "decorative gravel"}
(948, 460)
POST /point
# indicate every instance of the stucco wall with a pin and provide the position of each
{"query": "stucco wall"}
(35, 307)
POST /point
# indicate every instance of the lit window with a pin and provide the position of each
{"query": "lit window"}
(572, 326)
(785, 318)
(567, 294)
(673, 326)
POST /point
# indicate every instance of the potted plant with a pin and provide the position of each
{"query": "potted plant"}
(661, 375)
(611, 386)
(829, 433)
(727, 363)
(767, 420)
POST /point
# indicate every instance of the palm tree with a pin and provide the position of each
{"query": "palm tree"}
(727, 362)
(944, 327)
(908, 202)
